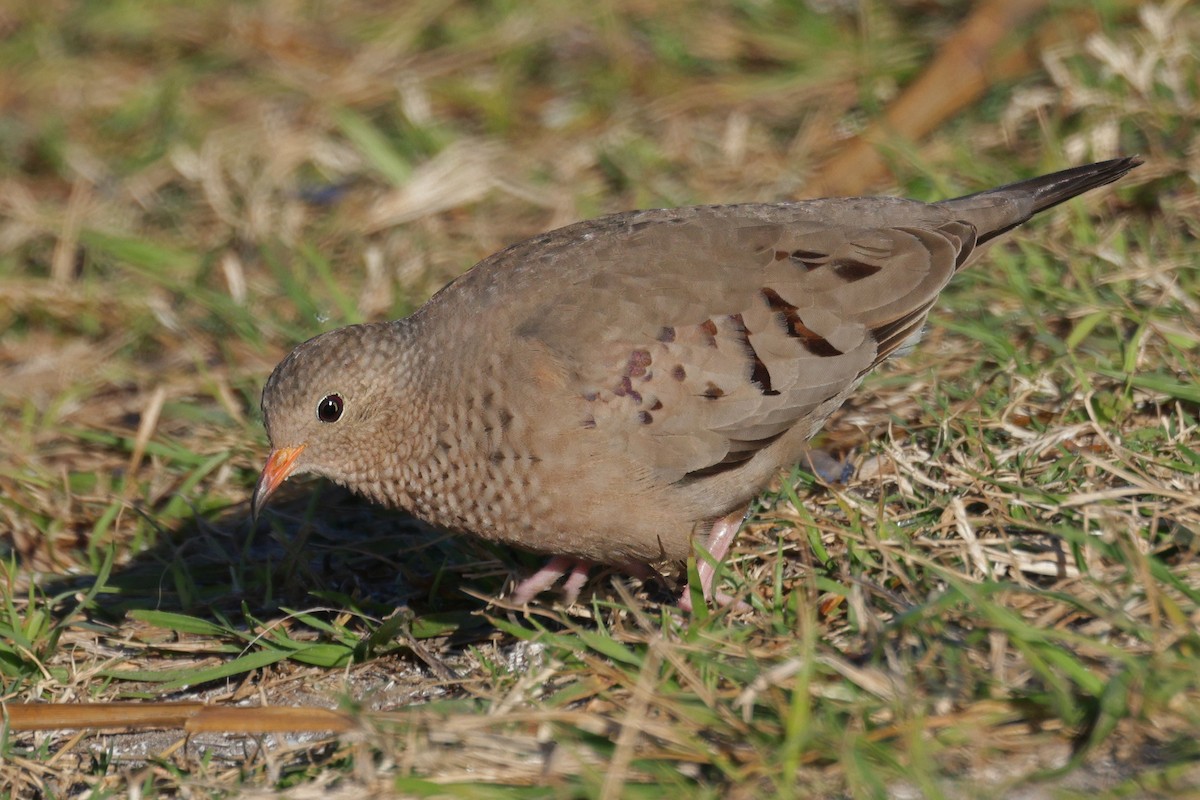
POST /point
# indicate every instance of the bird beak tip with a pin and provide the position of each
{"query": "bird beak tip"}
(257, 502)
(281, 463)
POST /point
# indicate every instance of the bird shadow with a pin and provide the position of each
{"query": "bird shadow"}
(318, 550)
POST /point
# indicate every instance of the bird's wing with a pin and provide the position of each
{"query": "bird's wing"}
(693, 338)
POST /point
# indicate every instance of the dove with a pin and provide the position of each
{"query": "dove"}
(618, 391)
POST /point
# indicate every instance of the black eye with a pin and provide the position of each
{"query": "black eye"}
(330, 408)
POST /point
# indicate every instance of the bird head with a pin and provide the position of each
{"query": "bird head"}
(327, 403)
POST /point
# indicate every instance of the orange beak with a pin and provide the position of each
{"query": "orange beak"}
(280, 464)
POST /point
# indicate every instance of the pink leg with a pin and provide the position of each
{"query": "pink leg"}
(723, 532)
(548, 575)
(575, 582)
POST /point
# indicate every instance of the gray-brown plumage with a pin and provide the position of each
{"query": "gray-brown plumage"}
(612, 391)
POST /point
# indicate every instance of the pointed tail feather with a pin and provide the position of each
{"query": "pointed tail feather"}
(997, 211)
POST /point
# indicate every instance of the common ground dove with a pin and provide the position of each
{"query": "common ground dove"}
(620, 389)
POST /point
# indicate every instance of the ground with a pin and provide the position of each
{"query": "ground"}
(1000, 599)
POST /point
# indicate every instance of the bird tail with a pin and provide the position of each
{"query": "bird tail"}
(1017, 202)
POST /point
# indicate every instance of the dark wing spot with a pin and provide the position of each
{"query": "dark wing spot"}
(589, 422)
(506, 418)
(712, 391)
(709, 328)
(760, 374)
(666, 335)
(645, 418)
(591, 396)
(852, 271)
(758, 370)
(818, 346)
(777, 303)
(625, 389)
(813, 342)
(678, 373)
(638, 361)
(809, 259)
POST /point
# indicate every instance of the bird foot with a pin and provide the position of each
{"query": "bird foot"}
(723, 533)
(576, 570)
(549, 575)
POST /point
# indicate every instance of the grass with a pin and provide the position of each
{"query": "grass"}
(1002, 601)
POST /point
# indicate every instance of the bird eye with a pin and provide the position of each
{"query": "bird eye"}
(330, 408)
